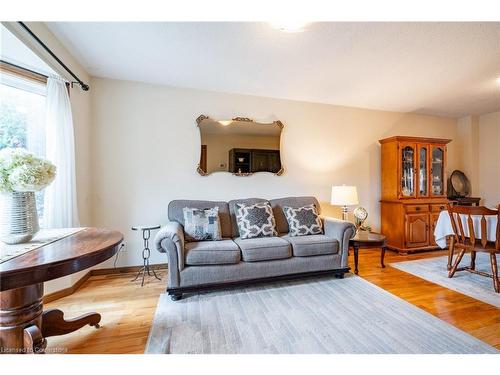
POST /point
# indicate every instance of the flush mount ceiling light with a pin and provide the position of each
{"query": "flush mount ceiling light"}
(498, 80)
(290, 26)
(225, 122)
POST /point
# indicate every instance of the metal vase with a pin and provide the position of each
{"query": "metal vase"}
(18, 217)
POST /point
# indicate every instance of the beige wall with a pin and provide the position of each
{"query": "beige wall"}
(489, 158)
(468, 144)
(146, 146)
(80, 106)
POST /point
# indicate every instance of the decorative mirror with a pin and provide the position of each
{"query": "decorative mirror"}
(240, 146)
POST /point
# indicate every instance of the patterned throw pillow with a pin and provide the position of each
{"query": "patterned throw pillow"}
(255, 220)
(303, 221)
(202, 224)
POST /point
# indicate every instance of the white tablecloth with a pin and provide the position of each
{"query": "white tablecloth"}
(444, 228)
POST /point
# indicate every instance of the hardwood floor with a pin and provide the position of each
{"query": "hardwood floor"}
(475, 317)
(127, 309)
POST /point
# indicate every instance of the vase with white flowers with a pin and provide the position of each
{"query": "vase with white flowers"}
(21, 175)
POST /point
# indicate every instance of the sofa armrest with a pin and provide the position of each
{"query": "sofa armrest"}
(342, 231)
(170, 240)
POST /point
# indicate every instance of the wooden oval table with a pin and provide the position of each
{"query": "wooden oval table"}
(24, 326)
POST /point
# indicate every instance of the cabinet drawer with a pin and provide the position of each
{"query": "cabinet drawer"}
(438, 207)
(417, 208)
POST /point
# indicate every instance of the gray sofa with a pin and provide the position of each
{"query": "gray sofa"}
(195, 266)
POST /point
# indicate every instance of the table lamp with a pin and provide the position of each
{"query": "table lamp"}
(344, 196)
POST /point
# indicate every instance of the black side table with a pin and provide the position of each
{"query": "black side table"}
(367, 240)
(465, 201)
(146, 234)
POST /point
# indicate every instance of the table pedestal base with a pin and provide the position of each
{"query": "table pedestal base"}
(24, 326)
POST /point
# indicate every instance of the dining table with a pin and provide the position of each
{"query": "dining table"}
(444, 228)
(24, 323)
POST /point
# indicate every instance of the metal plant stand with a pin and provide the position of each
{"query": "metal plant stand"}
(146, 234)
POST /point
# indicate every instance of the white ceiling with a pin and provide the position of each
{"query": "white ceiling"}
(447, 69)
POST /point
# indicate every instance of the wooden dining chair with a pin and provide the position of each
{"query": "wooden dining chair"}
(463, 242)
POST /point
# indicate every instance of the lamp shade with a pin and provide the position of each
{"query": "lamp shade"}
(344, 195)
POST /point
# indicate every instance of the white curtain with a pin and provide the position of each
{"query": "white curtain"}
(60, 204)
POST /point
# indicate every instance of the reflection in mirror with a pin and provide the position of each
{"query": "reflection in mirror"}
(240, 146)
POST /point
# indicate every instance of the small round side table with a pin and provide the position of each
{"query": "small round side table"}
(367, 240)
(146, 234)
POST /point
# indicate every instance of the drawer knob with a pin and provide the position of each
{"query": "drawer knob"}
(441, 207)
(417, 208)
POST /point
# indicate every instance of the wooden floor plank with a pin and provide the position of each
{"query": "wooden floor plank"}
(127, 309)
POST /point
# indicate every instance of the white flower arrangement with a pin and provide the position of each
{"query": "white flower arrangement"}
(22, 171)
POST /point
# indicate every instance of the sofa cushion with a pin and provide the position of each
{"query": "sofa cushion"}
(255, 220)
(316, 244)
(232, 211)
(212, 252)
(175, 212)
(295, 202)
(263, 248)
(202, 224)
(303, 221)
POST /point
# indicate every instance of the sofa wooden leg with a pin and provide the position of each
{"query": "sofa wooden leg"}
(175, 296)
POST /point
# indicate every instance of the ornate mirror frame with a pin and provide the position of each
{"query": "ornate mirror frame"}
(278, 123)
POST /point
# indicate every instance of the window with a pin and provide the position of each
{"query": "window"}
(23, 85)
(22, 114)
(22, 117)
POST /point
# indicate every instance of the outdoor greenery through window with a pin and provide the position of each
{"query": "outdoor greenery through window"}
(22, 118)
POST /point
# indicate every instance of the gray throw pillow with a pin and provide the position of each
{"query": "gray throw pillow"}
(303, 221)
(255, 220)
(202, 224)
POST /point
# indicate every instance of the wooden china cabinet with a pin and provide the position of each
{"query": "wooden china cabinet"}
(413, 191)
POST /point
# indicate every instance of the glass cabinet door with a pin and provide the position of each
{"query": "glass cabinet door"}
(437, 170)
(408, 170)
(423, 171)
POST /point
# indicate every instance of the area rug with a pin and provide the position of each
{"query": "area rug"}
(321, 315)
(475, 286)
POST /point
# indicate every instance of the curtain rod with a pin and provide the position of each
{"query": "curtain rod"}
(84, 86)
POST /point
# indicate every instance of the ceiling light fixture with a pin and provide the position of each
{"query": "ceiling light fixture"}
(290, 26)
(498, 80)
(225, 122)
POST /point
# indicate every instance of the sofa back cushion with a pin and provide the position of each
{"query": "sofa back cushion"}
(227, 211)
(175, 212)
(232, 210)
(294, 202)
